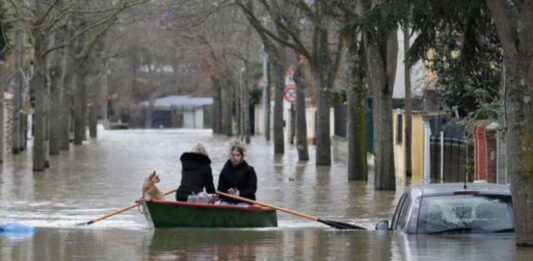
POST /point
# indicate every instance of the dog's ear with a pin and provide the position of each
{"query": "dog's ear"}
(152, 175)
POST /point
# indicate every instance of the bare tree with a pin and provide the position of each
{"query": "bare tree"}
(277, 58)
(42, 19)
(85, 51)
(323, 52)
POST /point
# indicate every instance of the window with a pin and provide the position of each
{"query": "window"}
(404, 213)
(466, 213)
(396, 216)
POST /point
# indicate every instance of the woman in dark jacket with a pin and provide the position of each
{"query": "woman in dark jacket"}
(195, 173)
(237, 177)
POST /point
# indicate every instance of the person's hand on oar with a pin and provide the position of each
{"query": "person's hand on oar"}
(139, 201)
(234, 192)
(335, 224)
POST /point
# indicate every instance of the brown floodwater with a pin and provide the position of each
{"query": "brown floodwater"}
(106, 174)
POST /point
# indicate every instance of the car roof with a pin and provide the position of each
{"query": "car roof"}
(450, 188)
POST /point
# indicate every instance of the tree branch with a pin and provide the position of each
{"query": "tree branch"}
(40, 20)
(87, 48)
(110, 19)
(56, 20)
(261, 29)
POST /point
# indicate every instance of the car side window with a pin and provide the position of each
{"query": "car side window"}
(402, 219)
(398, 211)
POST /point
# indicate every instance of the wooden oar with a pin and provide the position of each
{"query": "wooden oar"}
(330, 223)
(117, 211)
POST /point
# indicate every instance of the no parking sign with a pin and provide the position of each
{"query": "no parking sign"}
(289, 94)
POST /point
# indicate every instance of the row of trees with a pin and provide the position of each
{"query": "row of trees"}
(54, 48)
(479, 50)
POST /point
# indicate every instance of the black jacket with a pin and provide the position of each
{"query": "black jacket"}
(196, 175)
(241, 177)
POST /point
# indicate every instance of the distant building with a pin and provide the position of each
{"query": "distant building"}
(178, 112)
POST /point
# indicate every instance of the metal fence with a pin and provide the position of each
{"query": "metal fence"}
(451, 160)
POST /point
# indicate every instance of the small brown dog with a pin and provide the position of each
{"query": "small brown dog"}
(149, 188)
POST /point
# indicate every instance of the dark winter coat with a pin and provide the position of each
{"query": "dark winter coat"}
(196, 175)
(241, 177)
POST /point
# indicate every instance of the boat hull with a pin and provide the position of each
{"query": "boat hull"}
(185, 214)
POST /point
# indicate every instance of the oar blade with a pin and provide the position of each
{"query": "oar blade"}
(339, 225)
(85, 223)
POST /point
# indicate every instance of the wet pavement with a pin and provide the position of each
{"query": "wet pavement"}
(106, 174)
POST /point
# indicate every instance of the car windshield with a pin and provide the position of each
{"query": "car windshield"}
(465, 214)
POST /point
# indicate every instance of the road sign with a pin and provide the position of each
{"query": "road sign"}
(289, 94)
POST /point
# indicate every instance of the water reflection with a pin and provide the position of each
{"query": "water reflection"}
(254, 244)
(68, 244)
(450, 247)
(307, 244)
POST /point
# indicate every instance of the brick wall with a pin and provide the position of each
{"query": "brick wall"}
(485, 152)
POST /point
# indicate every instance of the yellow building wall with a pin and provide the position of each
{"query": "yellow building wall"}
(417, 147)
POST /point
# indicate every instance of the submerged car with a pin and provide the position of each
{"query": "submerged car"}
(453, 208)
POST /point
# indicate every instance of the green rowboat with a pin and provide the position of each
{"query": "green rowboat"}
(187, 214)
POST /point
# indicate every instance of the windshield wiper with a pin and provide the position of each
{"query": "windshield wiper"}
(451, 230)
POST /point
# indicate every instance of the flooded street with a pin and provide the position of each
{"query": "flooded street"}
(106, 174)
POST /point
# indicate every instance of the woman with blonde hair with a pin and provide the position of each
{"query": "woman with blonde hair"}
(237, 177)
(196, 173)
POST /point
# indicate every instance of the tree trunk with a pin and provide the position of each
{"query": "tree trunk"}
(56, 84)
(356, 110)
(93, 119)
(80, 98)
(216, 110)
(519, 138)
(514, 25)
(38, 84)
(301, 122)
(17, 129)
(266, 98)
(246, 106)
(2, 132)
(104, 94)
(408, 103)
(227, 107)
(292, 124)
(381, 70)
(279, 69)
(238, 102)
(95, 105)
(66, 108)
(324, 72)
(323, 143)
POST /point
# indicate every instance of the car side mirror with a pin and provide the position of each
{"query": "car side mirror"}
(382, 225)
